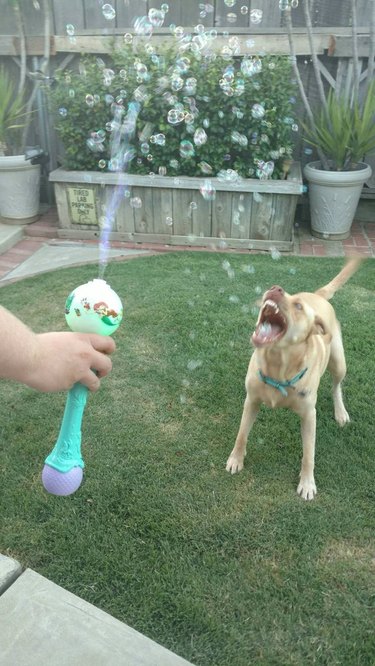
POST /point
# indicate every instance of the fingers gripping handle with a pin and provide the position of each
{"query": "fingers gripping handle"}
(62, 472)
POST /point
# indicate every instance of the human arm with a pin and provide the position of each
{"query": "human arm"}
(52, 361)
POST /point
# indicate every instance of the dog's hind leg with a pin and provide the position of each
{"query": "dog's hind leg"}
(337, 368)
(236, 458)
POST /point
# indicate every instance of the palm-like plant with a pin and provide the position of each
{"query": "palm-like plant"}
(343, 127)
(344, 132)
(13, 115)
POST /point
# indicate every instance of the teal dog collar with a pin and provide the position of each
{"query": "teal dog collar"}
(281, 386)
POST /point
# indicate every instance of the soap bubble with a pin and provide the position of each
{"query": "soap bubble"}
(256, 16)
(205, 167)
(102, 164)
(63, 112)
(156, 17)
(257, 111)
(230, 3)
(248, 268)
(108, 12)
(275, 254)
(194, 364)
(229, 176)
(253, 66)
(231, 17)
(183, 64)
(175, 116)
(142, 26)
(135, 202)
(207, 190)
(177, 83)
(241, 139)
(189, 120)
(89, 99)
(70, 29)
(160, 139)
(186, 149)
(193, 205)
(169, 221)
(128, 38)
(244, 9)
(265, 169)
(200, 137)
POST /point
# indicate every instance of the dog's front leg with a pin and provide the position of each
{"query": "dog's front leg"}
(236, 458)
(306, 487)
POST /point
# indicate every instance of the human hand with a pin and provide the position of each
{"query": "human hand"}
(59, 360)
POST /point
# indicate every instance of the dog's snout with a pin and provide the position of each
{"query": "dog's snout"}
(275, 293)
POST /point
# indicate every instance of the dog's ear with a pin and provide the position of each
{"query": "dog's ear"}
(319, 328)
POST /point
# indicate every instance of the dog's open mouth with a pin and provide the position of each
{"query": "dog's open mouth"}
(271, 326)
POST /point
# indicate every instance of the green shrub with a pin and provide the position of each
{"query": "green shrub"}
(232, 113)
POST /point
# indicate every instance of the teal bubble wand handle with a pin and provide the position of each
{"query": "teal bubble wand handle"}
(91, 308)
(63, 468)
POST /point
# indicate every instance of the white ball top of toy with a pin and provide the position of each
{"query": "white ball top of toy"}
(94, 308)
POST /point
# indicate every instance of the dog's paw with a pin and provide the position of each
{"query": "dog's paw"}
(307, 489)
(234, 464)
(342, 416)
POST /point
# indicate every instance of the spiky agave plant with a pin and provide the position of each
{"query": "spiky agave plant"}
(343, 130)
(13, 115)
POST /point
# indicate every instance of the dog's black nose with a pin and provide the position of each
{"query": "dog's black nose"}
(275, 293)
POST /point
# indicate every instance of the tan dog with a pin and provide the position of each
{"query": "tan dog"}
(296, 338)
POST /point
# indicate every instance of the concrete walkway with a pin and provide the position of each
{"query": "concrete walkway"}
(41, 624)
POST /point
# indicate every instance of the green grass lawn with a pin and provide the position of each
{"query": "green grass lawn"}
(224, 570)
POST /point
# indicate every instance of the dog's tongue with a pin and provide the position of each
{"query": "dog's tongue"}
(266, 332)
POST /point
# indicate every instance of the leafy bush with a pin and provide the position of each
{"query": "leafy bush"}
(196, 115)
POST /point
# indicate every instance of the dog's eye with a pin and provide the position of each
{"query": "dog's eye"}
(298, 306)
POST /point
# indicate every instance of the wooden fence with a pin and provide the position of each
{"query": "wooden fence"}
(88, 15)
(93, 26)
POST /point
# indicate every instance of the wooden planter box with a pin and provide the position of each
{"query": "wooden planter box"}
(254, 214)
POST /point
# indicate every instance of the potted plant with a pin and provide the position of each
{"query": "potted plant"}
(208, 159)
(342, 130)
(345, 134)
(19, 177)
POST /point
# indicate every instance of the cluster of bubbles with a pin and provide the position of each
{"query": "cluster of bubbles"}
(265, 170)
(181, 81)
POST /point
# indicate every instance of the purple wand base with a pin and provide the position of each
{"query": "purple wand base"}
(61, 483)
